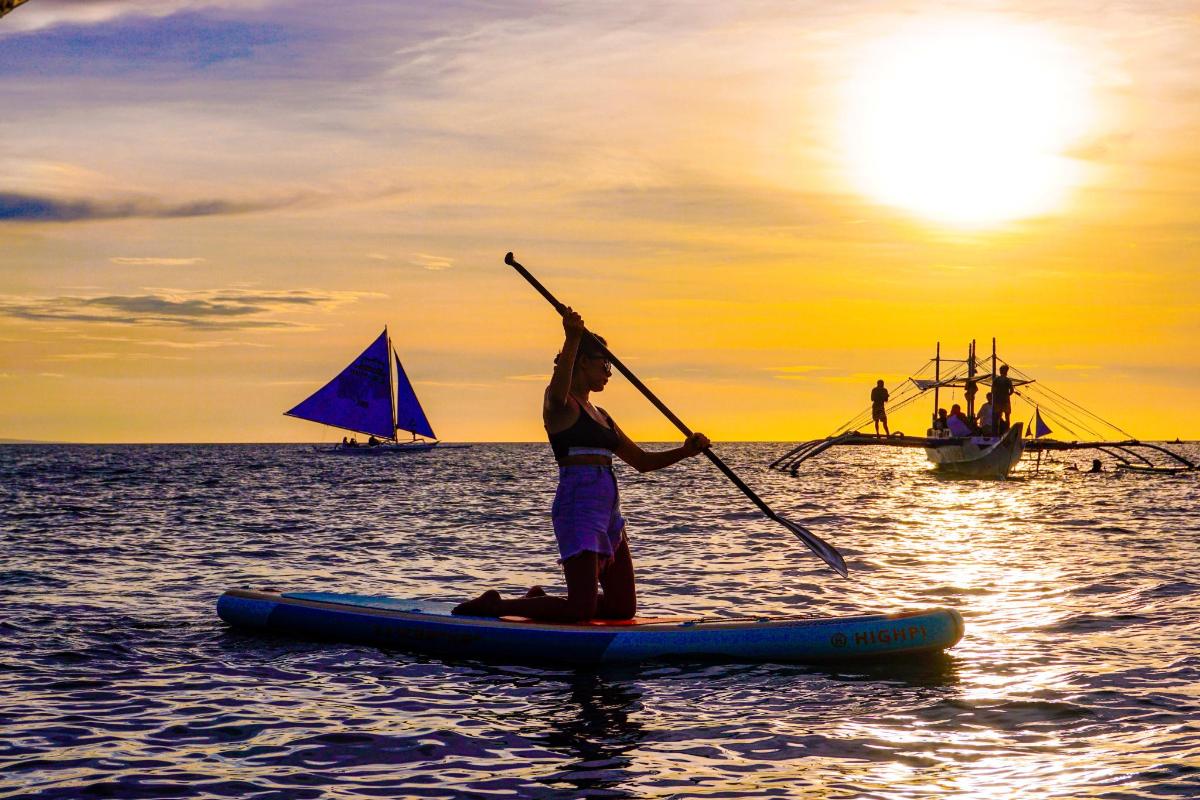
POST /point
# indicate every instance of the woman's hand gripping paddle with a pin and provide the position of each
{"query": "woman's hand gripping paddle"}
(826, 551)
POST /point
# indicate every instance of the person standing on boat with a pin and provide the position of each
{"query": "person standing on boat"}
(1002, 390)
(592, 543)
(879, 398)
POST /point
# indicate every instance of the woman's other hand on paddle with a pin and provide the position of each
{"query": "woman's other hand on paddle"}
(572, 323)
(696, 444)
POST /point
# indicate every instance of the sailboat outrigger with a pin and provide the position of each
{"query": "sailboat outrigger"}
(991, 453)
(371, 396)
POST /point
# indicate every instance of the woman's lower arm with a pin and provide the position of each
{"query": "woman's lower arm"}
(662, 458)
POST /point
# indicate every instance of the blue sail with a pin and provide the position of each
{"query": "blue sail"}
(1040, 428)
(409, 415)
(359, 399)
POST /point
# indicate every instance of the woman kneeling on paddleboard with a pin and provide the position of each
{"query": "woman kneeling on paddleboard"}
(587, 509)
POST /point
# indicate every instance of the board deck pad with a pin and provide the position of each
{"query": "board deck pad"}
(432, 607)
(380, 602)
(611, 623)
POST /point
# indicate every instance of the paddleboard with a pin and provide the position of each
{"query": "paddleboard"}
(429, 627)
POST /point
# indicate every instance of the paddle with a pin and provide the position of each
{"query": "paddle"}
(827, 552)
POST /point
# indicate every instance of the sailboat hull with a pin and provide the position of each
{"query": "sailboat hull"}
(978, 456)
(387, 448)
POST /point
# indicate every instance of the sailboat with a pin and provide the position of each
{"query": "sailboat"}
(371, 396)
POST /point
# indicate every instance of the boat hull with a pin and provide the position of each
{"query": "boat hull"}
(427, 627)
(380, 449)
(978, 456)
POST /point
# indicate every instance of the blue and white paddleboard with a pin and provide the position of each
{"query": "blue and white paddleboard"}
(429, 627)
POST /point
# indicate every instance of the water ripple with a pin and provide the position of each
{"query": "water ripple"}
(1077, 677)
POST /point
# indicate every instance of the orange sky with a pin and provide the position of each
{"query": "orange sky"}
(210, 208)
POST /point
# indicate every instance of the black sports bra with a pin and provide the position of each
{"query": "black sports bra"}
(586, 432)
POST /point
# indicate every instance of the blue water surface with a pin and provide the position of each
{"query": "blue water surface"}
(1077, 677)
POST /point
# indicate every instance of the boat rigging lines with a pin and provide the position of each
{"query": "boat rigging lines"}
(993, 453)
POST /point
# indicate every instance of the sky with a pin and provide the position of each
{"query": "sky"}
(209, 208)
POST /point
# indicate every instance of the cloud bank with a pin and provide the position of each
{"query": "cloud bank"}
(217, 309)
(42, 208)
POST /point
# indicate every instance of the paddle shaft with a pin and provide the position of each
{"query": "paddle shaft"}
(645, 390)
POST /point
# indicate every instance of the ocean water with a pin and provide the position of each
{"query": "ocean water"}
(1078, 677)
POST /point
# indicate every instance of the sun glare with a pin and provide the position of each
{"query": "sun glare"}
(966, 122)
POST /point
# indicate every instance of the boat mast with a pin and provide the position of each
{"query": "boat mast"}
(937, 378)
(971, 379)
(391, 358)
(995, 425)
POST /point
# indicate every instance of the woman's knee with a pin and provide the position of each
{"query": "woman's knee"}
(581, 607)
(622, 608)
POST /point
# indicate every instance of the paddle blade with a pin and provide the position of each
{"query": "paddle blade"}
(822, 548)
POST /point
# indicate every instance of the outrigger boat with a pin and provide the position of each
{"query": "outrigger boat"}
(991, 453)
(371, 396)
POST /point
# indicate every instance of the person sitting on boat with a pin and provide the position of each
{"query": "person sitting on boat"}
(592, 543)
(372, 441)
(986, 418)
(345, 442)
(958, 423)
(940, 423)
(1096, 467)
(353, 442)
(879, 397)
(1002, 388)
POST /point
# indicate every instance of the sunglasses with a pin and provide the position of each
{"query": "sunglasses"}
(603, 361)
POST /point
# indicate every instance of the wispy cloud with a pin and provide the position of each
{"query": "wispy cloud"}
(115, 357)
(84, 357)
(153, 261)
(865, 378)
(204, 345)
(44, 208)
(432, 262)
(457, 384)
(218, 309)
(796, 372)
(798, 368)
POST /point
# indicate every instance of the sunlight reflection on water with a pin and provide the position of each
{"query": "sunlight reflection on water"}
(1077, 676)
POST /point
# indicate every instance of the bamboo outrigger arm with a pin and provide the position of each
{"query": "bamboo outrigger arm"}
(1130, 446)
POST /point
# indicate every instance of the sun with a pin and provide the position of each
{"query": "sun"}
(966, 121)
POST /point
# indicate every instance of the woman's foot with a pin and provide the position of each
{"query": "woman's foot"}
(486, 605)
(535, 591)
